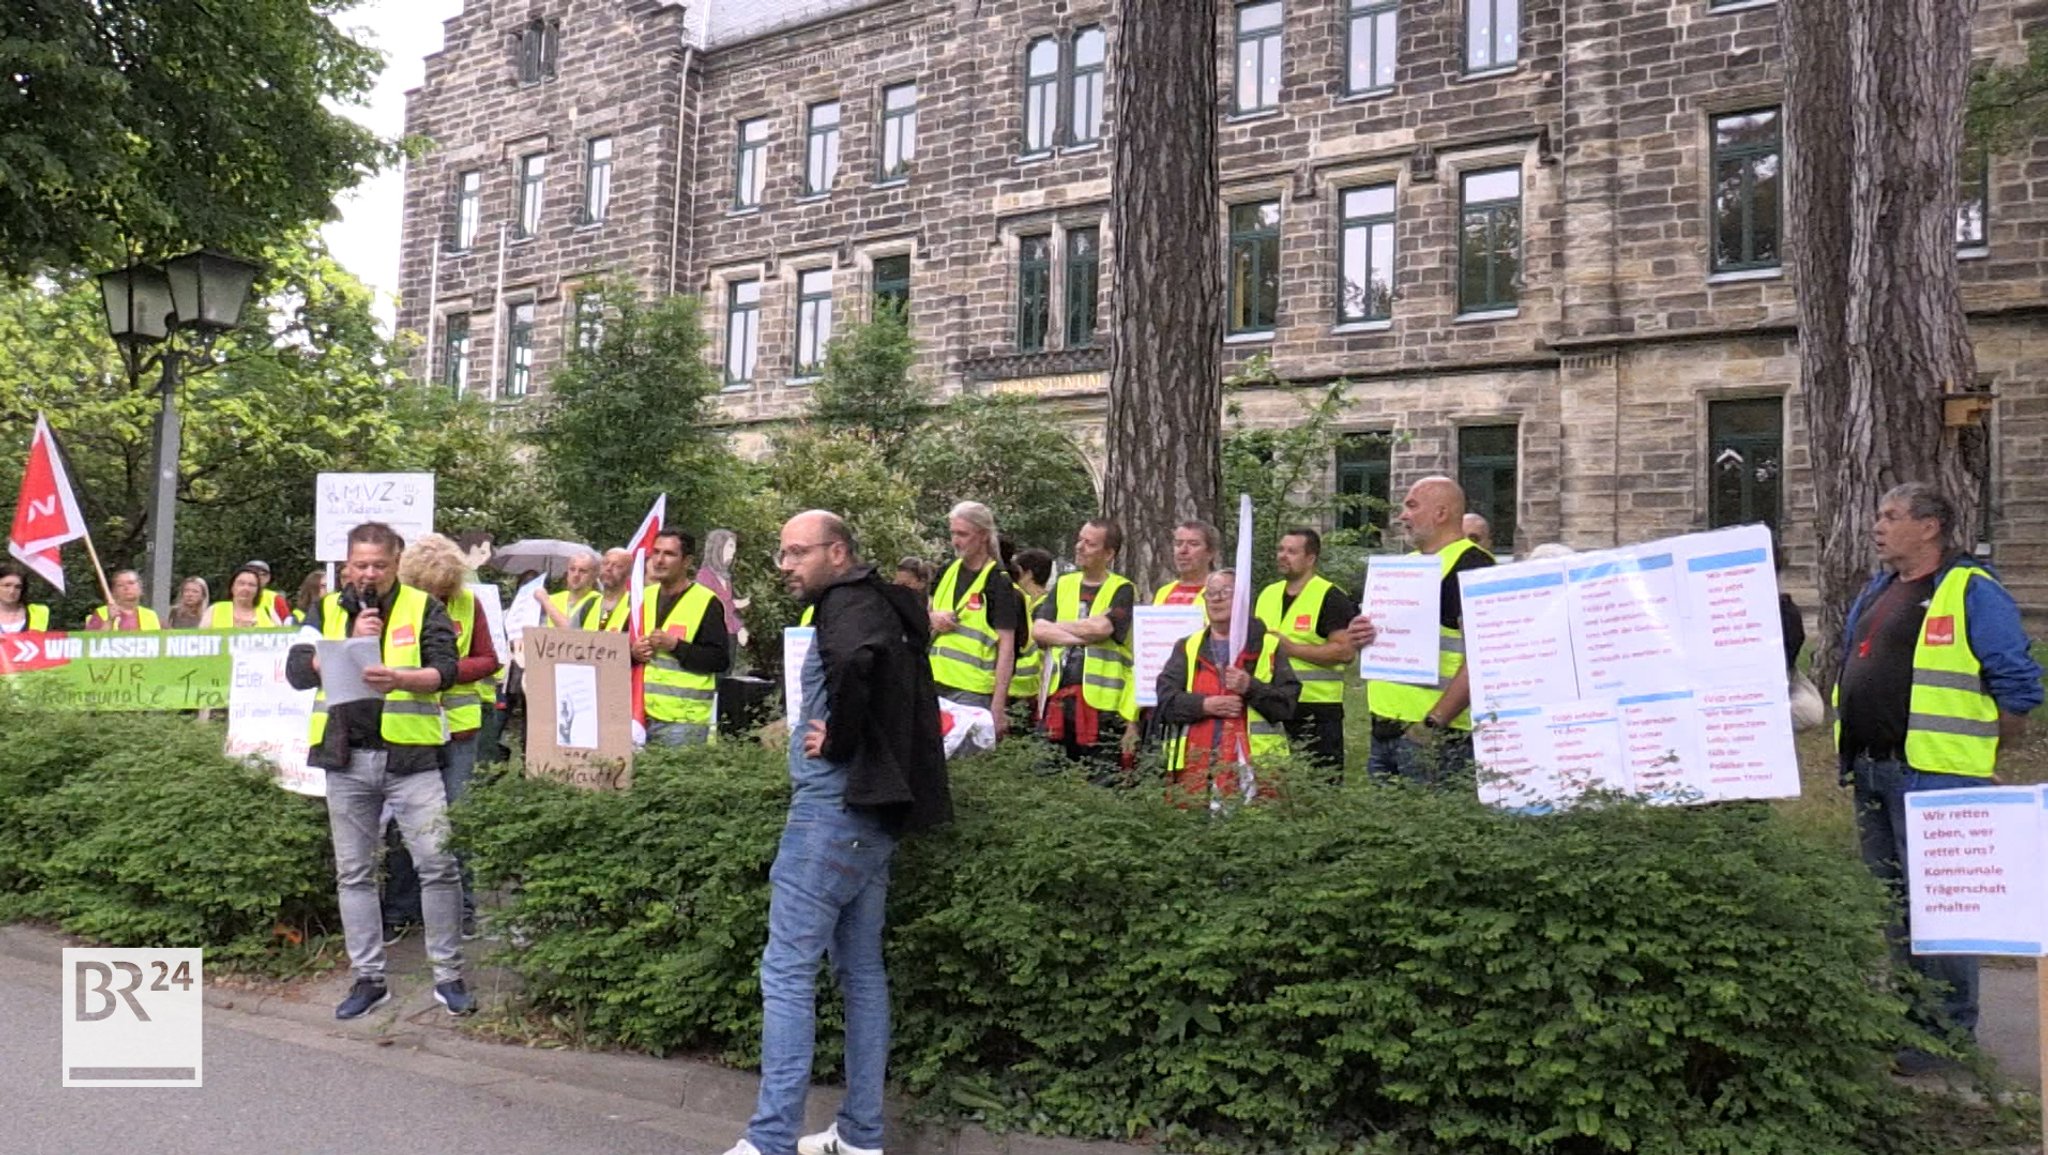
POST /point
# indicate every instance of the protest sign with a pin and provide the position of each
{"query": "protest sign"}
(343, 501)
(1404, 599)
(796, 650)
(493, 608)
(578, 707)
(110, 671)
(1156, 631)
(1673, 646)
(522, 615)
(267, 719)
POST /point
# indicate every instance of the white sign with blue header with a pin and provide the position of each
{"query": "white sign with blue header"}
(1976, 872)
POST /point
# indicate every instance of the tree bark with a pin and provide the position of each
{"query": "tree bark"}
(1165, 433)
(1874, 99)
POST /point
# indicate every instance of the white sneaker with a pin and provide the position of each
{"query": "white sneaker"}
(744, 1148)
(827, 1142)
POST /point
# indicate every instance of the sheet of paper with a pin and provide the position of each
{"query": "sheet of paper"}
(1156, 631)
(1974, 871)
(576, 707)
(1731, 594)
(1518, 640)
(1661, 746)
(1746, 732)
(1585, 748)
(1404, 599)
(342, 662)
(796, 650)
(493, 608)
(1627, 626)
(523, 614)
(1513, 751)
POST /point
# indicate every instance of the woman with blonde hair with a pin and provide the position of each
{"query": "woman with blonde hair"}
(189, 611)
(435, 564)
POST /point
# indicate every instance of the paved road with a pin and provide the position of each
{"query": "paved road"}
(274, 1086)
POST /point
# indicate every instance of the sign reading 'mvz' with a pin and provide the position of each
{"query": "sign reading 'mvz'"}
(159, 670)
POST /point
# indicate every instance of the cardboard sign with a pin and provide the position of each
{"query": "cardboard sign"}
(579, 707)
(343, 501)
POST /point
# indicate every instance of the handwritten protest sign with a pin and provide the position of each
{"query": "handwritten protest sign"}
(579, 717)
(343, 501)
(156, 671)
(267, 719)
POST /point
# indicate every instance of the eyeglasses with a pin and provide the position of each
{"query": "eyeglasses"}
(794, 553)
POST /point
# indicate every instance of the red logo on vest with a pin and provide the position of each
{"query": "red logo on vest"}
(1941, 631)
(1302, 622)
(973, 603)
(402, 636)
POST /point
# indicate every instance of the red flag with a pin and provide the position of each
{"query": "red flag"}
(47, 515)
(643, 540)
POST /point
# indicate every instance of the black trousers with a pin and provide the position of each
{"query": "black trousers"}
(1317, 735)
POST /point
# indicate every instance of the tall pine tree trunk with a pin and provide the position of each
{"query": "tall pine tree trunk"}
(1874, 98)
(1165, 386)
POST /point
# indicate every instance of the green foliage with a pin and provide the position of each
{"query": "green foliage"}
(2009, 102)
(308, 385)
(866, 388)
(151, 128)
(1286, 471)
(136, 831)
(1376, 969)
(1006, 453)
(627, 421)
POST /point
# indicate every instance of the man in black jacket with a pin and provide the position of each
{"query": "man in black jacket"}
(866, 765)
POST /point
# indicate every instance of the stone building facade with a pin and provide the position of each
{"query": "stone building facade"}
(1541, 240)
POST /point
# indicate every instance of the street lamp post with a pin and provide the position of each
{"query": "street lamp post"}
(201, 295)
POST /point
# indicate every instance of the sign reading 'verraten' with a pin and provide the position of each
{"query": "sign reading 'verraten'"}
(579, 708)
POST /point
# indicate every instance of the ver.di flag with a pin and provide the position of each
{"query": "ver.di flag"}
(47, 516)
(643, 541)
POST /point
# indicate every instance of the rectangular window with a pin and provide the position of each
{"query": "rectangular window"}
(750, 165)
(1084, 112)
(821, 147)
(1365, 470)
(899, 130)
(1748, 194)
(469, 193)
(1041, 95)
(1745, 461)
(1367, 268)
(1254, 267)
(892, 284)
(533, 170)
(519, 349)
(1258, 56)
(455, 353)
(1490, 240)
(813, 320)
(597, 179)
(742, 332)
(1369, 52)
(1973, 196)
(539, 43)
(1034, 291)
(586, 322)
(1493, 33)
(1487, 458)
(1084, 276)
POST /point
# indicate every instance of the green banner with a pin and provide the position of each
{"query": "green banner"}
(161, 670)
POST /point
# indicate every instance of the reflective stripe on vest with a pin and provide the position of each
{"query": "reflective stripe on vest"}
(673, 693)
(145, 618)
(1952, 726)
(1268, 739)
(1405, 703)
(1296, 622)
(965, 659)
(1106, 668)
(409, 719)
(464, 702)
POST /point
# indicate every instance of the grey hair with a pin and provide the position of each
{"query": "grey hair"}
(1923, 501)
(982, 518)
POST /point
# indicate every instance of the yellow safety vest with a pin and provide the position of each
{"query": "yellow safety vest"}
(1405, 703)
(560, 598)
(409, 719)
(1268, 738)
(673, 693)
(1296, 622)
(804, 619)
(39, 619)
(622, 612)
(1030, 656)
(1106, 668)
(1951, 723)
(965, 659)
(463, 702)
(145, 618)
(221, 616)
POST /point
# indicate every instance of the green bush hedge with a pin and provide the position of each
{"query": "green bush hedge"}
(135, 830)
(1376, 970)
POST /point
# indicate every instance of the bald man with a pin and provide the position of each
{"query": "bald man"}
(1424, 733)
(1480, 531)
(612, 607)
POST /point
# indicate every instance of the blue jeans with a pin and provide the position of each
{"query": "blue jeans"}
(677, 734)
(828, 892)
(401, 880)
(1880, 792)
(1397, 758)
